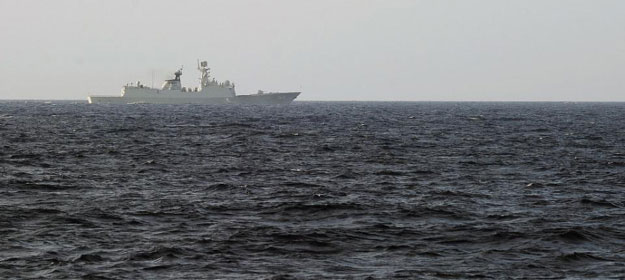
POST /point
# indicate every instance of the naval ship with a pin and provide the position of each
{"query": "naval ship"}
(208, 92)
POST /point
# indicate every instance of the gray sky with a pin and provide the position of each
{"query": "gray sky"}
(483, 50)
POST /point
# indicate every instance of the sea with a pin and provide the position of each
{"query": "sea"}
(314, 190)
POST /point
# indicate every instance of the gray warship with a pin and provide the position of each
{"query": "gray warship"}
(209, 91)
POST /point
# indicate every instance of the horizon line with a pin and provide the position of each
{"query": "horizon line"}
(424, 101)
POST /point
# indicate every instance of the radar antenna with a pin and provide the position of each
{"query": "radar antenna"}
(178, 73)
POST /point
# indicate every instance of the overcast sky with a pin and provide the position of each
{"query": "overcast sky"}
(430, 50)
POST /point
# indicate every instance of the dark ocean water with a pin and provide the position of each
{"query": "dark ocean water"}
(312, 190)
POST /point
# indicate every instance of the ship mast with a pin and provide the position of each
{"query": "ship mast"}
(203, 68)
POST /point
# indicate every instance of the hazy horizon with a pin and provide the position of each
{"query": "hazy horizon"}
(345, 50)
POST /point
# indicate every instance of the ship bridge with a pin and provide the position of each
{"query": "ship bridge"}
(173, 84)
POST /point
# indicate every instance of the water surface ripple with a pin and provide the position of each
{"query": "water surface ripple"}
(312, 190)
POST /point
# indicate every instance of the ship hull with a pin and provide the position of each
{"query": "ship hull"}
(278, 98)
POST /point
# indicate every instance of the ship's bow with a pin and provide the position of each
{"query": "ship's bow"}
(276, 98)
